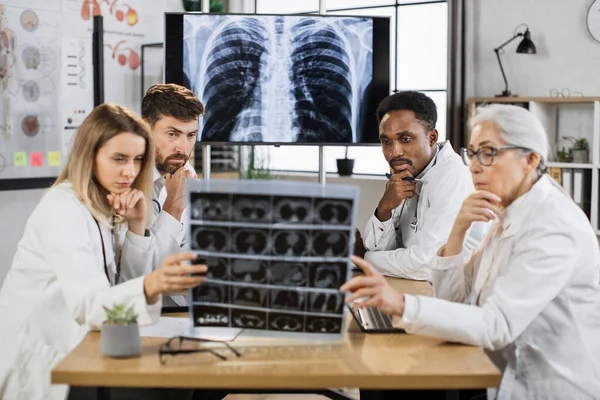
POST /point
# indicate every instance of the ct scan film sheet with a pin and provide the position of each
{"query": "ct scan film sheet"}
(277, 253)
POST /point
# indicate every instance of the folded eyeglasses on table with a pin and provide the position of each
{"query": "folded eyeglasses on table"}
(175, 346)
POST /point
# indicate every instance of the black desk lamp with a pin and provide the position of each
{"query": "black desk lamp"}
(525, 47)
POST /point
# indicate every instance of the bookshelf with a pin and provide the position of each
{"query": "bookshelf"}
(578, 117)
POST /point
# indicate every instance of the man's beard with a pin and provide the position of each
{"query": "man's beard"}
(164, 166)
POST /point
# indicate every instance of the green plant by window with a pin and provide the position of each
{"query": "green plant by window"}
(258, 167)
(564, 155)
(119, 315)
(216, 6)
(578, 143)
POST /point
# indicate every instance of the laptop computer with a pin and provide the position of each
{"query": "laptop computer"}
(371, 320)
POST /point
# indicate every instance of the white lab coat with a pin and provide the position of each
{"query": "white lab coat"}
(443, 188)
(54, 292)
(531, 297)
(168, 231)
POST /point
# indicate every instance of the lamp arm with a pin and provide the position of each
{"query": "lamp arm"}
(502, 69)
(508, 41)
(497, 51)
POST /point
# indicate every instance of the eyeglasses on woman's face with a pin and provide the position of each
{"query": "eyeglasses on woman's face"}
(486, 154)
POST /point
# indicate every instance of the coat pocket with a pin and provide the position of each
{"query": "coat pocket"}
(29, 376)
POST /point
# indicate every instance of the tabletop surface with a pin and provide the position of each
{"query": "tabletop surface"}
(358, 360)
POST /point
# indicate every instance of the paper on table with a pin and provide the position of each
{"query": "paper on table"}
(168, 327)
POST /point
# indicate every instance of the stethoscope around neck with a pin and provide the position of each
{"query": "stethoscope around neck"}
(414, 221)
(158, 206)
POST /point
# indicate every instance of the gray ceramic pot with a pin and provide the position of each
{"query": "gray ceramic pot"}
(120, 340)
(581, 156)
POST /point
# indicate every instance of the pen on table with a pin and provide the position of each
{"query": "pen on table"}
(406, 178)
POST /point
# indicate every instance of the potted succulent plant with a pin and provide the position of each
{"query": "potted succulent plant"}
(580, 152)
(345, 165)
(120, 335)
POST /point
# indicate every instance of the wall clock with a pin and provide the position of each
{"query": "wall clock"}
(593, 20)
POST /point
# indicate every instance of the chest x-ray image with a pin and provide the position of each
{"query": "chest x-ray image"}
(330, 243)
(291, 243)
(287, 274)
(210, 206)
(327, 275)
(287, 300)
(278, 262)
(323, 324)
(286, 322)
(204, 315)
(249, 270)
(251, 209)
(292, 210)
(250, 296)
(333, 212)
(326, 302)
(250, 241)
(211, 293)
(213, 239)
(249, 319)
(217, 268)
(245, 270)
(280, 79)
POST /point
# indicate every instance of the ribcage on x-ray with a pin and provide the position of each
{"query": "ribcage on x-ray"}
(249, 271)
(286, 322)
(287, 300)
(323, 325)
(210, 239)
(279, 80)
(292, 210)
(250, 241)
(327, 275)
(290, 243)
(287, 274)
(251, 209)
(211, 293)
(322, 83)
(233, 68)
(326, 302)
(249, 319)
(333, 212)
(330, 243)
(210, 207)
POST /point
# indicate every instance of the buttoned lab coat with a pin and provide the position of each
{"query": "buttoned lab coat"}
(168, 231)
(444, 187)
(54, 292)
(531, 297)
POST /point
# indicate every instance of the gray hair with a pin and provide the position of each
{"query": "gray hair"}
(518, 127)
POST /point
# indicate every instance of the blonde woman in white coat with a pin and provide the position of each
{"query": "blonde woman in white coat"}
(88, 229)
(531, 293)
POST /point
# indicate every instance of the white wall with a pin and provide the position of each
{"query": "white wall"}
(567, 55)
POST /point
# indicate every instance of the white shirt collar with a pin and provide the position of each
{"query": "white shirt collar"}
(431, 163)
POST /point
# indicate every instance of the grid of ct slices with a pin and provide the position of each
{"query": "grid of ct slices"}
(274, 262)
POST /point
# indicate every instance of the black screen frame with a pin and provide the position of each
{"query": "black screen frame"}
(379, 90)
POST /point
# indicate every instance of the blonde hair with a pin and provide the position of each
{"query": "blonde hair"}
(105, 122)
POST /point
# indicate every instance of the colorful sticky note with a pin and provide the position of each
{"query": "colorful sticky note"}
(20, 159)
(36, 159)
(53, 158)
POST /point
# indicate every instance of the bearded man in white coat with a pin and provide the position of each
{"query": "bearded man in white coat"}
(427, 184)
(172, 111)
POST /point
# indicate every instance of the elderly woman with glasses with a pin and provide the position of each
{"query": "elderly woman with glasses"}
(530, 294)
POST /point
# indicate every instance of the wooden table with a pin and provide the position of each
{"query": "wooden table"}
(374, 361)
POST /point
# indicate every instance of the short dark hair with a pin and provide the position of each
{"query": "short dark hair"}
(170, 100)
(423, 107)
